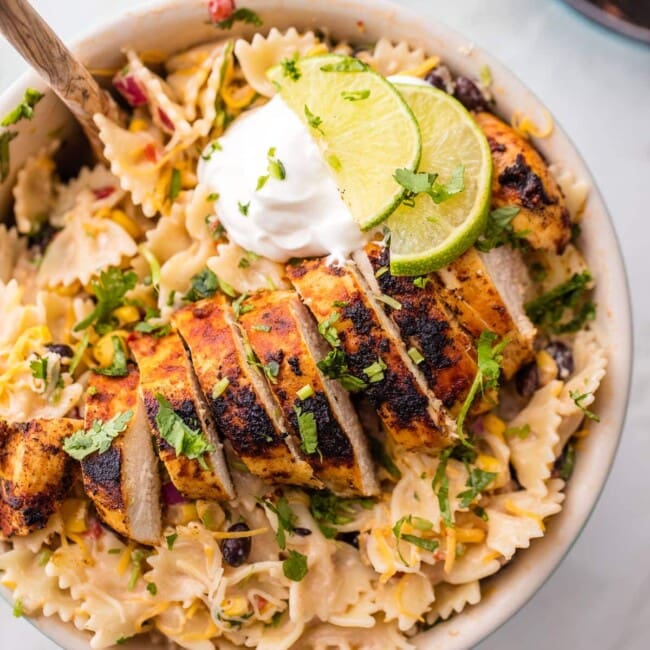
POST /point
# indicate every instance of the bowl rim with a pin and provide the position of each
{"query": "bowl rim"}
(447, 633)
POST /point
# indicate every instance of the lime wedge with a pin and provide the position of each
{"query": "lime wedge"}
(427, 236)
(362, 124)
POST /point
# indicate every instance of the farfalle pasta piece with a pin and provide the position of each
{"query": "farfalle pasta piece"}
(169, 236)
(92, 190)
(381, 636)
(263, 52)
(590, 365)
(388, 59)
(190, 627)
(532, 453)
(12, 246)
(516, 518)
(87, 244)
(406, 599)
(478, 561)
(452, 599)
(35, 190)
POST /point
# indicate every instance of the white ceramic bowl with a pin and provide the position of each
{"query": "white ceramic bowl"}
(171, 26)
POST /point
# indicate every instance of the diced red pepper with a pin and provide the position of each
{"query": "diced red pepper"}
(103, 192)
(150, 152)
(220, 9)
(130, 88)
(166, 121)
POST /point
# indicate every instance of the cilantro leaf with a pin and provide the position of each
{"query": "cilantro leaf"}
(5, 139)
(415, 182)
(578, 399)
(276, 168)
(455, 185)
(109, 290)
(383, 458)
(241, 15)
(118, 367)
(156, 329)
(243, 208)
(170, 539)
(499, 231)
(313, 120)
(329, 510)
(426, 183)
(286, 519)
(307, 429)
(549, 309)
(24, 110)
(335, 366)
(98, 438)
(295, 566)
(202, 285)
(173, 430)
(487, 374)
(39, 368)
(477, 481)
(567, 461)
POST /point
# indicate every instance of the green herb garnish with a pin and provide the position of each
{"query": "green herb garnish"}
(477, 481)
(307, 430)
(375, 371)
(5, 139)
(416, 183)
(421, 282)
(241, 15)
(499, 231)
(286, 519)
(152, 588)
(335, 366)
(202, 285)
(207, 154)
(328, 331)
(98, 438)
(170, 539)
(119, 366)
(578, 399)
(19, 608)
(155, 329)
(313, 120)
(175, 184)
(329, 510)
(420, 524)
(383, 458)
(39, 369)
(568, 462)
(243, 207)
(295, 566)
(24, 110)
(290, 68)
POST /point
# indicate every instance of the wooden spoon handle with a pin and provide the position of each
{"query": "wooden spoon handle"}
(34, 39)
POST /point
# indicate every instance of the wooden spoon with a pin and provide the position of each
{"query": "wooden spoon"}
(37, 43)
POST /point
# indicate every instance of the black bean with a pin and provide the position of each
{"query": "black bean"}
(527, 379)
(42, 237)
(302, 532)
(436, 80)
(469, 95)
(61, 349)
(563, 358)
(236, 551)
(351, 538)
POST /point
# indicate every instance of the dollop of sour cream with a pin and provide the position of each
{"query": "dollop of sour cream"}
(297, 211)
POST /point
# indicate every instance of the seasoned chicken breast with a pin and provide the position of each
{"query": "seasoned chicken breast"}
(285, 340)
(166, 372)
(486, 292)
(35, 472)
(239, 398)
(351, 317)
(522, 178)
(123, 482)
(447, 355)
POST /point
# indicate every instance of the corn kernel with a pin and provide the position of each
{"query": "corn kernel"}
(74, 512)
(494, 425)
(138, 125)
(103, 350)
(546, 367)
(470, 535)
(181, 514)
(124, 221)
(488, 463)
(235, 607)
(127, 314)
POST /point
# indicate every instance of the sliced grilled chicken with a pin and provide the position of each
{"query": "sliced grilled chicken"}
(285, 340)
(448, 354)
(35, 472)
(410, 412)
(165, 371)
(123, 482)
(239, 398)
(486, 292)
(522, 178)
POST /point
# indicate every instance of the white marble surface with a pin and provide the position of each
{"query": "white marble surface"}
(597, 84)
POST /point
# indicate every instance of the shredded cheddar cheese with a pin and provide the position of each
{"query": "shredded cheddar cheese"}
(237, 534)
(514, 509)
(491, 556)
(400, 605)
(470, 535)
(423, 69)
(450, 554)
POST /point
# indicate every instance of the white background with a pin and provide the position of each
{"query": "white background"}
(597, 85)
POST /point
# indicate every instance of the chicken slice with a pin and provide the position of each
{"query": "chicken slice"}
(35, 472)
(522, 178)
(341, 302)
(448, 353)
(239, 398)
(165, 371)
(486, 292)
(123, 482)
(285, 340)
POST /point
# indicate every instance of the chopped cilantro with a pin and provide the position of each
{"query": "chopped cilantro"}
(334, 366)
(548, 310)
(202, 285)
(538, 272)
(286, 519)
(209, 150)
(382, 457)
(156, 329)
(340, 303)
(499, 231)
(326, 508)
(109, 290)
(420, 524)
(275, 620)
(375, 371)
(440, 486)
(568, 461)
(271, 370)
(152, 588)
(276, 168)
(39, 368)
(290, 68)
(43, 557)
(487, 374)
(154, 266)
(19, 608)
(24, 110)
(578, 399)
(5, 139)
(480, 512)
(313, 120)
(170, 539)
(241, 15)
(261, 182)
(347, 64)
(421, 282)
(425, 183)
(175, 184)
(355, 95)
(118, 367)
(98, 438)
(328, 331)
(239, 308)
(243, 207)
(213, 196)
(307, 430)
(173, 430)
(295, 566)
(477, 481)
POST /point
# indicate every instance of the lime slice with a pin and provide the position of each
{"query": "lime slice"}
(361, 122)
(427, 235)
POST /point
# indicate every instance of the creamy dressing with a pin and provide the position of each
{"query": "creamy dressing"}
(301, 215)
